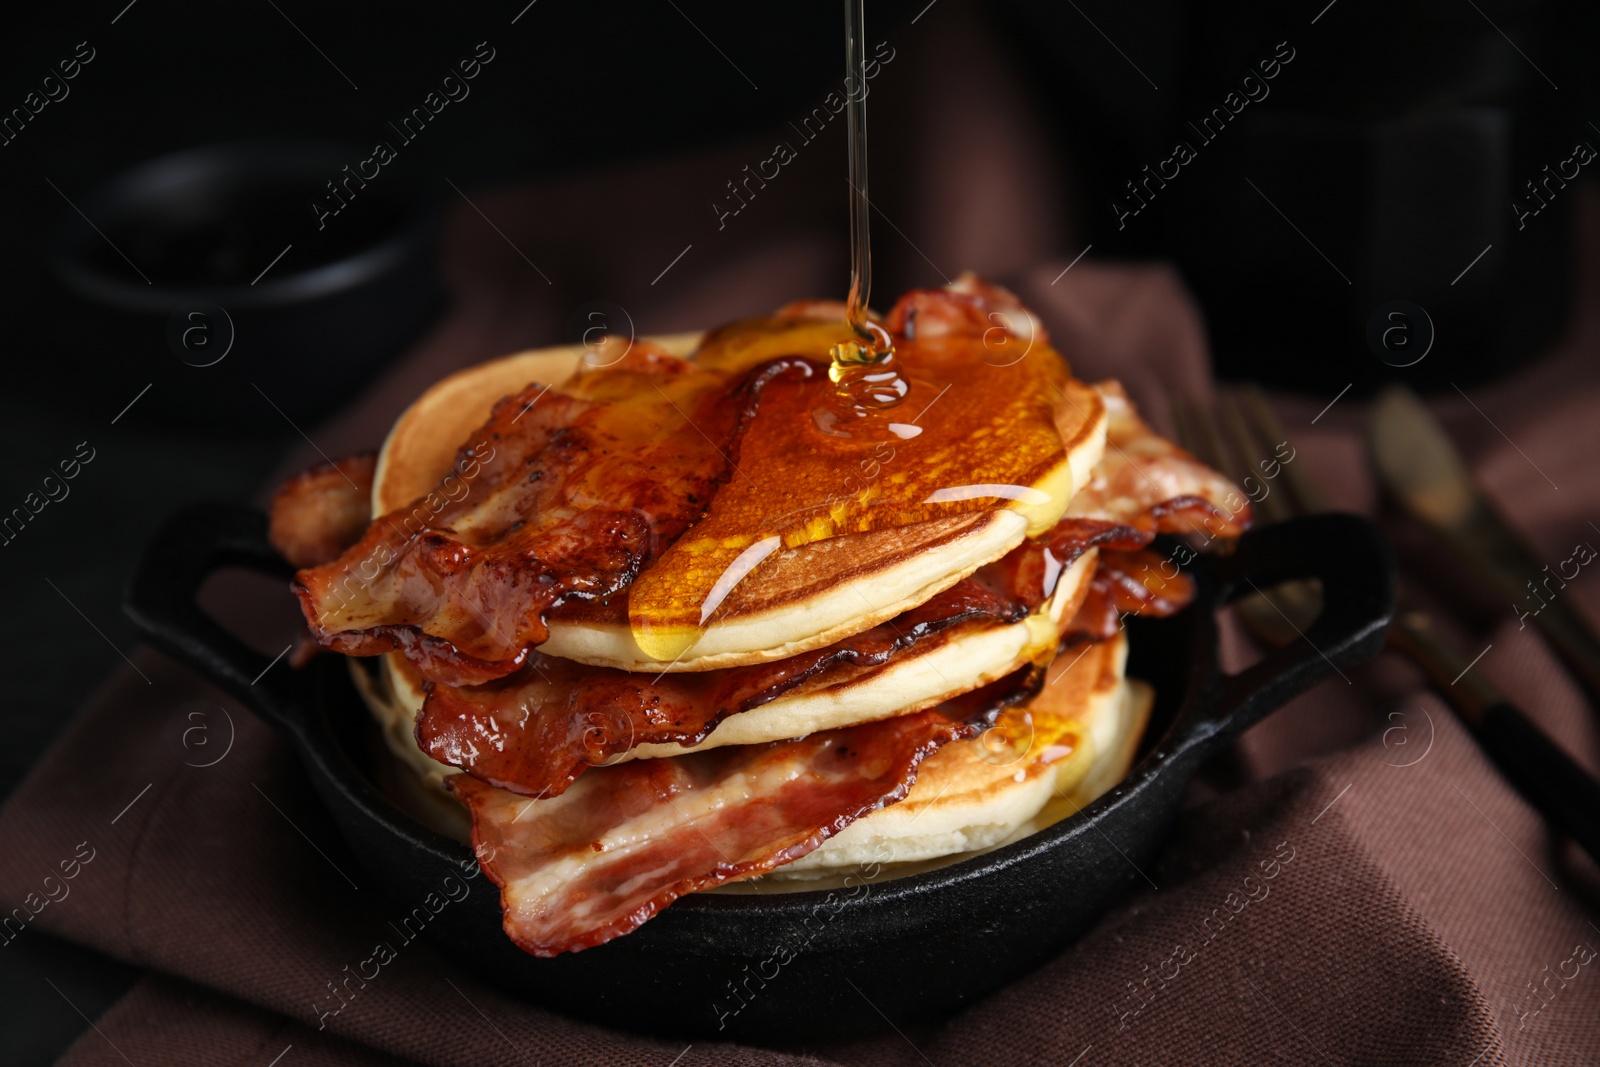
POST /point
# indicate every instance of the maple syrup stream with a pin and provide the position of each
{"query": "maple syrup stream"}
(864, 371)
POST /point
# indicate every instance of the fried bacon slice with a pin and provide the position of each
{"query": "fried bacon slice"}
(1144, 485)
(598, 861)
(561, 494)
(1146, 481)
(1128, 583)
(320, 512)
(537, 730)
(969, 307)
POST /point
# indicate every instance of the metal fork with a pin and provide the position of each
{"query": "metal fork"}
(1241, 439)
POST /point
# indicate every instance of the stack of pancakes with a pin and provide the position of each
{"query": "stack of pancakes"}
(971, 794)
(887, 622)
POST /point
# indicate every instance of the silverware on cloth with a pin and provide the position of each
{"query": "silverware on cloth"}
(1245, 440)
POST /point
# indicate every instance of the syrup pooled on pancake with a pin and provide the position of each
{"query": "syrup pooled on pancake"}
(990, 444)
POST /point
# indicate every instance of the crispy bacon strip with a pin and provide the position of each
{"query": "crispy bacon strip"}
(598, 861)
(1144, 485)
(559, 495)
(1128, 583)
(968, 307)
(320, 512)
(536, 731)
(1147, 482)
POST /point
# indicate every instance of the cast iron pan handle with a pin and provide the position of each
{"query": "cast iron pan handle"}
(1352, 559)
(191, 546)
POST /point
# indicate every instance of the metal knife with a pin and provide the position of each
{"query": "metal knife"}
(1421, 469)
(1538, 768)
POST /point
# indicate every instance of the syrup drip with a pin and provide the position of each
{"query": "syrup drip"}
(864, 370)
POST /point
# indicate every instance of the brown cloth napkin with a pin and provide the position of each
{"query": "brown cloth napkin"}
(1418, 911)
(1416, 914)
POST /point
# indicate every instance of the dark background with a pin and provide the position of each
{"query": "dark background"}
(1398, 137)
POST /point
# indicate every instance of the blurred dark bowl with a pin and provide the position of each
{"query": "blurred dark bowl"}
(178, 282)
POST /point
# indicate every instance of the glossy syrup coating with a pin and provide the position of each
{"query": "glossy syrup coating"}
(974, 436)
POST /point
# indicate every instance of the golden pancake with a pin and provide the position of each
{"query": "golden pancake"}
(973, 795)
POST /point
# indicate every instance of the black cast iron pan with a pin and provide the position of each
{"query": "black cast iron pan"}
(807, 965)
